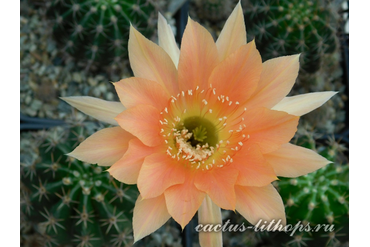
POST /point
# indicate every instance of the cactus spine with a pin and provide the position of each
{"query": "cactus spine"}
(97, 30)
(72, 202)
(320, 197)
(283, 27)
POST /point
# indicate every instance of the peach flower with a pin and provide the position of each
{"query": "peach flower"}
(202, 128)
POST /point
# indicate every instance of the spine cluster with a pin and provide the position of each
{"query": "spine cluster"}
(283, 27)
(97, 31)
(320, 197)
(71, 202)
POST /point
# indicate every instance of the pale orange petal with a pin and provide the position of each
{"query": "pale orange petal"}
(104, 147)
(137, 91)
(294, 161)
(183, 201)
(126, 169)
(301, 104)
(151, 62)
(269, 129)
(166, 39)
(210, 213)
(143, 122)
(253, 168)
(238, 75)
(277, 79)
(219, 185)
(149, 215)
(159, 172)
(260, 203)
(100, 109)
(198, 57)
(233, 34)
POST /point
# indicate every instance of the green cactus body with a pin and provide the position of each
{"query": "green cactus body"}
(282, 27)
(98, 30)
(72, 202)
(318, 198)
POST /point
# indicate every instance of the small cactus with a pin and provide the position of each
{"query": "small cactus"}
(283, 27)
(69, 201)
(320, 197)
(98, 30)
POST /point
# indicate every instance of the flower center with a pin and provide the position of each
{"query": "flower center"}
(201, 129)
(195, 139)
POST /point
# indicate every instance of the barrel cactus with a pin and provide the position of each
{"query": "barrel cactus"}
(71, 202)
(96, 31)
(284, 27)
(320, 197)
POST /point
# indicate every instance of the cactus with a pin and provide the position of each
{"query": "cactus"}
(320, 197)
(69, 201)
(96, 31)
(283, 27)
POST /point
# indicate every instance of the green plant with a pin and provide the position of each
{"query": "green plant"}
(283, 27)
(320, 197)
(96, 31)
(69, 201)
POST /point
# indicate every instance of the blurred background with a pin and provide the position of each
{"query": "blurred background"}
(78, 47)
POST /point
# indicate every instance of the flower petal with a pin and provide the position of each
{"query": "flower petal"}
(100, 109)
(198, 57)
(104, 147)
(166, 39)
(143, 122)
(149, 215)
(210, 213)
(151, 62)
(233, 34)
(253, 168)
(137, 91)
(126, 169)
(269, 129)
(260, 203)
(304, 103)
(158, 173)
(277, 79)
(183, 201)
(219, 184)
(238, 75)
(294, 161)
